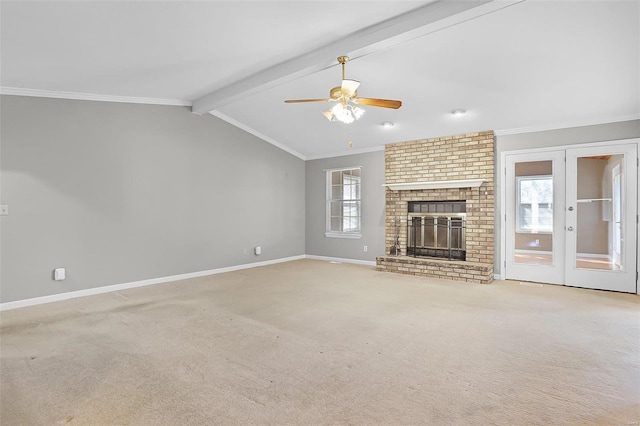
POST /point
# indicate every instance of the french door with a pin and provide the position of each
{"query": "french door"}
(535, 185)
(571, 217)
(601, 217)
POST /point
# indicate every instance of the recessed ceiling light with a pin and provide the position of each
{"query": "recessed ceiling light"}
(458, 112)
(387, 124)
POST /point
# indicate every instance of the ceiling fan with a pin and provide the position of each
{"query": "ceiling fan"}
(346, 96)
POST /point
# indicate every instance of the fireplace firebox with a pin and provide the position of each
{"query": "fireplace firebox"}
(437, 229)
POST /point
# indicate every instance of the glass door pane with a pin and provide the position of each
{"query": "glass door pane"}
(598, 213)
(533, 233)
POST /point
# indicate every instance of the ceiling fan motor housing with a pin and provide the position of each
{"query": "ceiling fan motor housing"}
(336, 93)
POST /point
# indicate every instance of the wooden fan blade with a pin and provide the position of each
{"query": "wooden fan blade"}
(384, 103)
(296, 101)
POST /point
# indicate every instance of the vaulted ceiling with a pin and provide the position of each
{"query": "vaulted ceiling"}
(511, 64)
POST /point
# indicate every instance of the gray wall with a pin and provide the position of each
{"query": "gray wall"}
(570, 136)
(124, 192)
(372, 208)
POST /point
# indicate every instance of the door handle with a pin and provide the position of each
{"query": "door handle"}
(570, 208)
(570, 228)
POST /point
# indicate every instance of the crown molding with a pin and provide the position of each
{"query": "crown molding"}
(345, 153)
(19, 91)
(565, 125)
(257, 134)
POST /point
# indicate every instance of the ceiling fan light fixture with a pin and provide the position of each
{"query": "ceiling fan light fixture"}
(338, 109)
(344, 113)
(357, 112)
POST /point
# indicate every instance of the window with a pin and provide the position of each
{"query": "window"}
(343, 203)
(535, 204)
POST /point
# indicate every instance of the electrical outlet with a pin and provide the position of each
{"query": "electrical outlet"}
(365, 249)
(4, 210)
(59, 274)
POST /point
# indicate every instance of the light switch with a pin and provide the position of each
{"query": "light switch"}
(4, 210)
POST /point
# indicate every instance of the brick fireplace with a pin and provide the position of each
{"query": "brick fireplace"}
(433, 173)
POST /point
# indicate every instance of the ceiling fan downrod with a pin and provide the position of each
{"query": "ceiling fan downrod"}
(343, 60)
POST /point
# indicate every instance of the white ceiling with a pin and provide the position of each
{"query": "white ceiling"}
(511, 64)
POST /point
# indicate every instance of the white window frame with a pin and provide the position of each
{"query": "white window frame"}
(341, 234)
(519, 228)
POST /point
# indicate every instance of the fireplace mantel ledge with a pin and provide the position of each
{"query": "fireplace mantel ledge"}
(438, 184)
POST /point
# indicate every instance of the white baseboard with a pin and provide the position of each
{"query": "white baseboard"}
(117, 287)
(341, 260)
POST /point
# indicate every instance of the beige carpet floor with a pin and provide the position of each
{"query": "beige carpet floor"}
(310, 342)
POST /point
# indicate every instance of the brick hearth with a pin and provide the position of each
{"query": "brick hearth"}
(437, 268)
(460, 157)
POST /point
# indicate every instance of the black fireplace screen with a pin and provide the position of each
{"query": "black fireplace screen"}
(437, 229)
